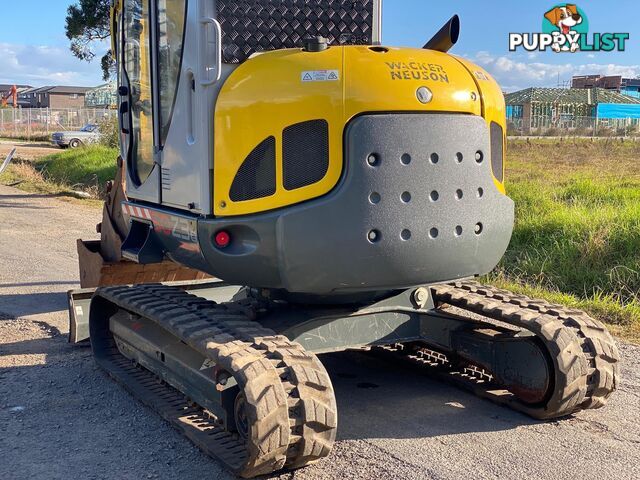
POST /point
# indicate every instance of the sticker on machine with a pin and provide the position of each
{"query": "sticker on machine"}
(321, 76)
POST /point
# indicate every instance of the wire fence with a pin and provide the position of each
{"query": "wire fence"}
(40, 123)
(569, 125)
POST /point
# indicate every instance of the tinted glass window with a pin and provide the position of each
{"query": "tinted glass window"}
(136, 57)
(171, 20)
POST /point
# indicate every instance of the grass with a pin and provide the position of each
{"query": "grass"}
(24, 175)
(577, 234)
(85, 169)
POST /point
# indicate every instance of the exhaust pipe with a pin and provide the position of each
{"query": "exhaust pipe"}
(446, 37)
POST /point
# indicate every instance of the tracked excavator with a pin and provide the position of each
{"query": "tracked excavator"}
(289, 186)
(12, 95)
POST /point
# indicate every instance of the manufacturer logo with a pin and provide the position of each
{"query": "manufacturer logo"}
(417, 71)
(424, 95)
(565, 28)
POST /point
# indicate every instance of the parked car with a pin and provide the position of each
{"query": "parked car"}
(73, 139)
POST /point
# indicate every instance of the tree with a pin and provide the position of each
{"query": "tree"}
(88, 22)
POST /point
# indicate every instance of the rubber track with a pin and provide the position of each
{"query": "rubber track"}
(583, 353)
(290, 401)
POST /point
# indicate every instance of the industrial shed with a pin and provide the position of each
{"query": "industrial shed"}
(570, 108)
(102, 96)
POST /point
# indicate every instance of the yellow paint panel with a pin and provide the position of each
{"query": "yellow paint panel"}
(261, 98)
(266, 94)
(388, 82)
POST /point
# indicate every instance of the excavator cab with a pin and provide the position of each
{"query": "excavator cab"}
(345, 193)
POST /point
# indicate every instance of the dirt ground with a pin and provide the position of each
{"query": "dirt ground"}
(61, 417)
(26, 150)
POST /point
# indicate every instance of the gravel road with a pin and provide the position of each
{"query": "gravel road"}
(26, 150)
(61, 417)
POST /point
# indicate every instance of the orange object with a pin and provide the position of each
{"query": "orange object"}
(13, 95)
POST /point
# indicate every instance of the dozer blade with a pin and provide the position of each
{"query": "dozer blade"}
(101, 262)
(95, 271)
(79, 301)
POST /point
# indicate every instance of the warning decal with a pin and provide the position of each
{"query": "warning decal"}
(321, 76)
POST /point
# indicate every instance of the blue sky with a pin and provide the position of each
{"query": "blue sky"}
(34, 49)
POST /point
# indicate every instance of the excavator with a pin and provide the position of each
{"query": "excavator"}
(290, 186)
(11, 94)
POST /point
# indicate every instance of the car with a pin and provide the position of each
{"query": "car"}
(73, 139)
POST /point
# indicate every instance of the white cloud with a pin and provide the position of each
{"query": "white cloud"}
(43, 65)
(514, 75)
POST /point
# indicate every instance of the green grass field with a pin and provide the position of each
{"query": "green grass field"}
(84, 169)
(577, 233)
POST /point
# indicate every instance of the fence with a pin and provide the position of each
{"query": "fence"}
(40, 123)
(569, 125)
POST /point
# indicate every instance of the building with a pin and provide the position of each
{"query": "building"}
(102, 96)
(53, 97)
(28, 98)
(6, 88)
(535, 108)
(628, 86)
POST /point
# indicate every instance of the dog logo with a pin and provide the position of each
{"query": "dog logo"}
(565, 18)
(565, 28)
(565, 23)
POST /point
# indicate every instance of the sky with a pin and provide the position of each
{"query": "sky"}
(35, 51)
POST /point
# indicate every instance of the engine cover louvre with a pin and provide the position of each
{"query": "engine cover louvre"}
(256, 177)
(305, 153)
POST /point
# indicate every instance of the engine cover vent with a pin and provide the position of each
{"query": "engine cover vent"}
(305, 153)
(497, 150)
(256, 177)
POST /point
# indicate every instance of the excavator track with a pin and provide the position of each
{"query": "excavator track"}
(582, 354)
(288, 400)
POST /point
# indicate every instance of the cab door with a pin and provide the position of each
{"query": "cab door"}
(152, 34)
(138, 100)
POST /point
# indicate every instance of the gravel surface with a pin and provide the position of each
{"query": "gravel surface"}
(61, 417)
(26, 150)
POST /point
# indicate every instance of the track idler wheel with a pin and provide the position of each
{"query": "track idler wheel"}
(583, 356)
